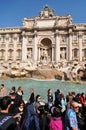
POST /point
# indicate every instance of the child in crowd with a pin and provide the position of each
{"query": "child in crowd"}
(56, 121)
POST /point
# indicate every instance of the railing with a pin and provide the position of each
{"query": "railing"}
(2, 45)
(2, 57)
(11, 45)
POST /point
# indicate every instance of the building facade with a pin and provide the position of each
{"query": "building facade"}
(45, 39)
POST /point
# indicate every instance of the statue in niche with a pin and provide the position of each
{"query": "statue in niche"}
(63, 38)
(63, 54)
(29, 54)
(44, 56)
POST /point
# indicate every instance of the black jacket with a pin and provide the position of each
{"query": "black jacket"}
(7, 122)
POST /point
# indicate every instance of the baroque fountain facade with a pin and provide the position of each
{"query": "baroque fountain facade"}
(45, 41)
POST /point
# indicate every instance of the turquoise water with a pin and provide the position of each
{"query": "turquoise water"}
(41, 87)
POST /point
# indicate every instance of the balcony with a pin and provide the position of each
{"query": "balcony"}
(2, 57)
(2, 46)
(84, 58)
(29, 44)
(18, 58)
(75, 58)
(84, 44)
(11, 46)
(10, 58)
(19, 46)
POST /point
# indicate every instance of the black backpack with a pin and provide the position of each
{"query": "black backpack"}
(8, 123)
(3, 121)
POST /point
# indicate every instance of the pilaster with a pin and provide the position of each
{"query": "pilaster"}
(53, 52)
(24, 48)
(70, 45)
(35, 47)
(38, 53)
(57, 49)
(80, 46)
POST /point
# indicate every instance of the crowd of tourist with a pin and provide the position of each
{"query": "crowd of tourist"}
(58, 113)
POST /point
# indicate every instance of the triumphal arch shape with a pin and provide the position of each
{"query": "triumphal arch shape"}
(45, 50)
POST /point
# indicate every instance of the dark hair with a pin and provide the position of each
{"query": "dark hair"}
(41, 109)
(5, 101)
(37, 97)
(2, 85)
(48, 90)
(20, 102)
(13, 88)
(58, 91)
(57, 112)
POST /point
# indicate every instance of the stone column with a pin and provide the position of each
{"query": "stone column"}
(52, 53)
(35, 47)
(24, 48)
(6, 52)
(67, 55)
(57, 49)
(80, 46)
(6, 47)
(70, 46)
(15, 37)
(39, 54)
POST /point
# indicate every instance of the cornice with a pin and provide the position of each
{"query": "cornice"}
(10, 30)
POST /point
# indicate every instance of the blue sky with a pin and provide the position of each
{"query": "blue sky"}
(12, 12)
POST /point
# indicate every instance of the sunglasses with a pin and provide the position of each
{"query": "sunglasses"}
(76, 107)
